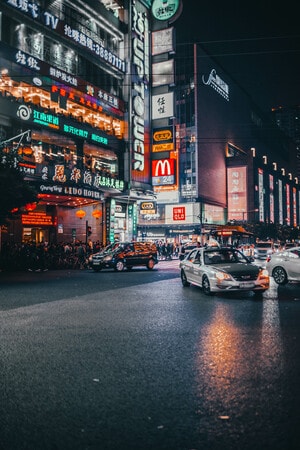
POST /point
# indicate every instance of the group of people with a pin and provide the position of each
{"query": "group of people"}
(167, 250)
(44, 256)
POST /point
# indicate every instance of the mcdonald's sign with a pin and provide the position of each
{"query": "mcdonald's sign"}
(163, 172)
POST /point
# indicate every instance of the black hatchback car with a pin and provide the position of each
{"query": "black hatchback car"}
(122, 255)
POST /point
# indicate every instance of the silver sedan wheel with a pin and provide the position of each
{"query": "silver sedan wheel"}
(184, 280)
(280, 275)
(206, 286)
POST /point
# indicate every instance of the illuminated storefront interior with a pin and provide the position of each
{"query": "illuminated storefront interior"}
(62, 100)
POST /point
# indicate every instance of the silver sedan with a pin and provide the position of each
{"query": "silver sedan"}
(222, 269)
(284, 266)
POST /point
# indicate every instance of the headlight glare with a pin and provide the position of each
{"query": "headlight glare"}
(222, 276)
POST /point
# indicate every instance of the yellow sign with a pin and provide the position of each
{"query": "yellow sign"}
(163, 147)
(162, 135)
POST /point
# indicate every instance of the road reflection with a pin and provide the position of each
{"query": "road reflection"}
(271, 350)
(240, 355)
(219, 360)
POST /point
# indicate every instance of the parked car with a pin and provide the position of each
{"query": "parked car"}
(222, 269)
(125, 255)
(284, 266)
(288, 245)
(263, 249)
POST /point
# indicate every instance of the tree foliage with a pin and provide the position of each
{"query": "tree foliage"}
(15, 192)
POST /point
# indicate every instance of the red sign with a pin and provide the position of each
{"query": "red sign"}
(162, 167)
(179, 213)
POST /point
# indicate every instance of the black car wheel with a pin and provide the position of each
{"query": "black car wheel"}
(279, 275)
(206, 286)
(150, 264)
(119, 266)
(184, 280)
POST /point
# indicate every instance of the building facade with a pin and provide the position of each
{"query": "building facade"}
(74, 103)
(126, 135)
(233, 164)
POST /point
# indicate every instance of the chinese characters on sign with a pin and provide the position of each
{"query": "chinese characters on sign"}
(237, 189)
(163, 105)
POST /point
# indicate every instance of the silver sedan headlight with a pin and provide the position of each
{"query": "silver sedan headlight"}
(223, 276)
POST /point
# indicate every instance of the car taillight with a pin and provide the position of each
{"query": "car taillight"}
(268, 258)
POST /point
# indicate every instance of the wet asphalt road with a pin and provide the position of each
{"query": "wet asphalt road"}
(133, 360)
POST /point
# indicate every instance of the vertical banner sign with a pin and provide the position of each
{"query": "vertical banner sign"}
(294, 207)
(129, 219)
(140, 96)
(237, 193)
(272, 214)
(112, 220)
(280, 201)
(288, 205)
(299, 205)
(261, 204)
(134, 221)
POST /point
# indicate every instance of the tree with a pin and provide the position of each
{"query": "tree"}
(15, 192)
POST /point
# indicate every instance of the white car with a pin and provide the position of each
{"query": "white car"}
(222, 269)
(263, 249)
(284, 266)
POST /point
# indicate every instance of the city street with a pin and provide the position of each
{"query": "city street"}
(132, 360)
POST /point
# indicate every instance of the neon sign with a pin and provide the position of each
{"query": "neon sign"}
(217, 84)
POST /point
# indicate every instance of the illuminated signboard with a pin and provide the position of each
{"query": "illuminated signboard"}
(79, 37)
(182, 213)
(166, 9)
(163, 172)
(280, 201)
(237, 193)
(261, 195)
(37, 218)
(179, 213)
(272, 212)
(28, 114)
(140, 94)
(163, 106)
(217, 84)
(288, 205)
(294, 207)
(163, 139)
(148, 207)
(163, 41)
(163, 73)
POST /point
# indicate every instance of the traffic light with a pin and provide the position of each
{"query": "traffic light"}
(89, 231)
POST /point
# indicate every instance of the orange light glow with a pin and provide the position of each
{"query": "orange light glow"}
(80, 214)
(97, 213)
(30, 206)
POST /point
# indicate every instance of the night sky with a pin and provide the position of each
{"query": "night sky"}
(256, 42)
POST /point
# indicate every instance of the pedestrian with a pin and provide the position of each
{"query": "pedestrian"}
(181, 252)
